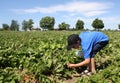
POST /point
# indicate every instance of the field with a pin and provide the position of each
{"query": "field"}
(41, 57)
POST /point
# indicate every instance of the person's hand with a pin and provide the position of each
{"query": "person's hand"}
(69, 65)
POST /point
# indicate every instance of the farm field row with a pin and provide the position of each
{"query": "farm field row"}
(41, 57)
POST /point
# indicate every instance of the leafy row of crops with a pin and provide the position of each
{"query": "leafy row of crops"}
(42, 57)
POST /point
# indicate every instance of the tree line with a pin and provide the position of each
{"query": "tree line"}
(49, 22)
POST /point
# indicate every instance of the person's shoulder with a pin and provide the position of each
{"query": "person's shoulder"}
(83, 33)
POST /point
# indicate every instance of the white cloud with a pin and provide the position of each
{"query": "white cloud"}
(81, 7)
(94, 13)
(114, 19)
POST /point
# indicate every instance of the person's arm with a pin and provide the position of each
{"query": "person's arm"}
(85, 62)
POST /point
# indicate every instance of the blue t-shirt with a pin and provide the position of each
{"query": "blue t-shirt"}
(89, 39)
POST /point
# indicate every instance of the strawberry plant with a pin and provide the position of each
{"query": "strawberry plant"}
(42, 57)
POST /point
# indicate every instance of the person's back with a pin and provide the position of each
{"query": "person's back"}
(93, 36)
(89, 39)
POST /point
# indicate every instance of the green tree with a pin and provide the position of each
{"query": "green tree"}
(5, 26)
(63, 26)
(118, 26)
(98, 24)
(27, 25)
(30, 24)
(14, 25)
(79, 25)
(47, 23)
(24, 25)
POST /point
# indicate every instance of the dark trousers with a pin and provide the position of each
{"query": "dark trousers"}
(97, 47)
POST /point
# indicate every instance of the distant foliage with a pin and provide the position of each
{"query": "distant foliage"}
(27, 25)
(30, 24)
(79, 25)
(118, 26)
(63, 26)
(98, 24)
(5, 26)
(24, 25)
(14, 25)
(47, 23)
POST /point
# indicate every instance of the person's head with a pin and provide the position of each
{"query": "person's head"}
(73, 41)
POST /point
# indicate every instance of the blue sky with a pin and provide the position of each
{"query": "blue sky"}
(68, 11)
